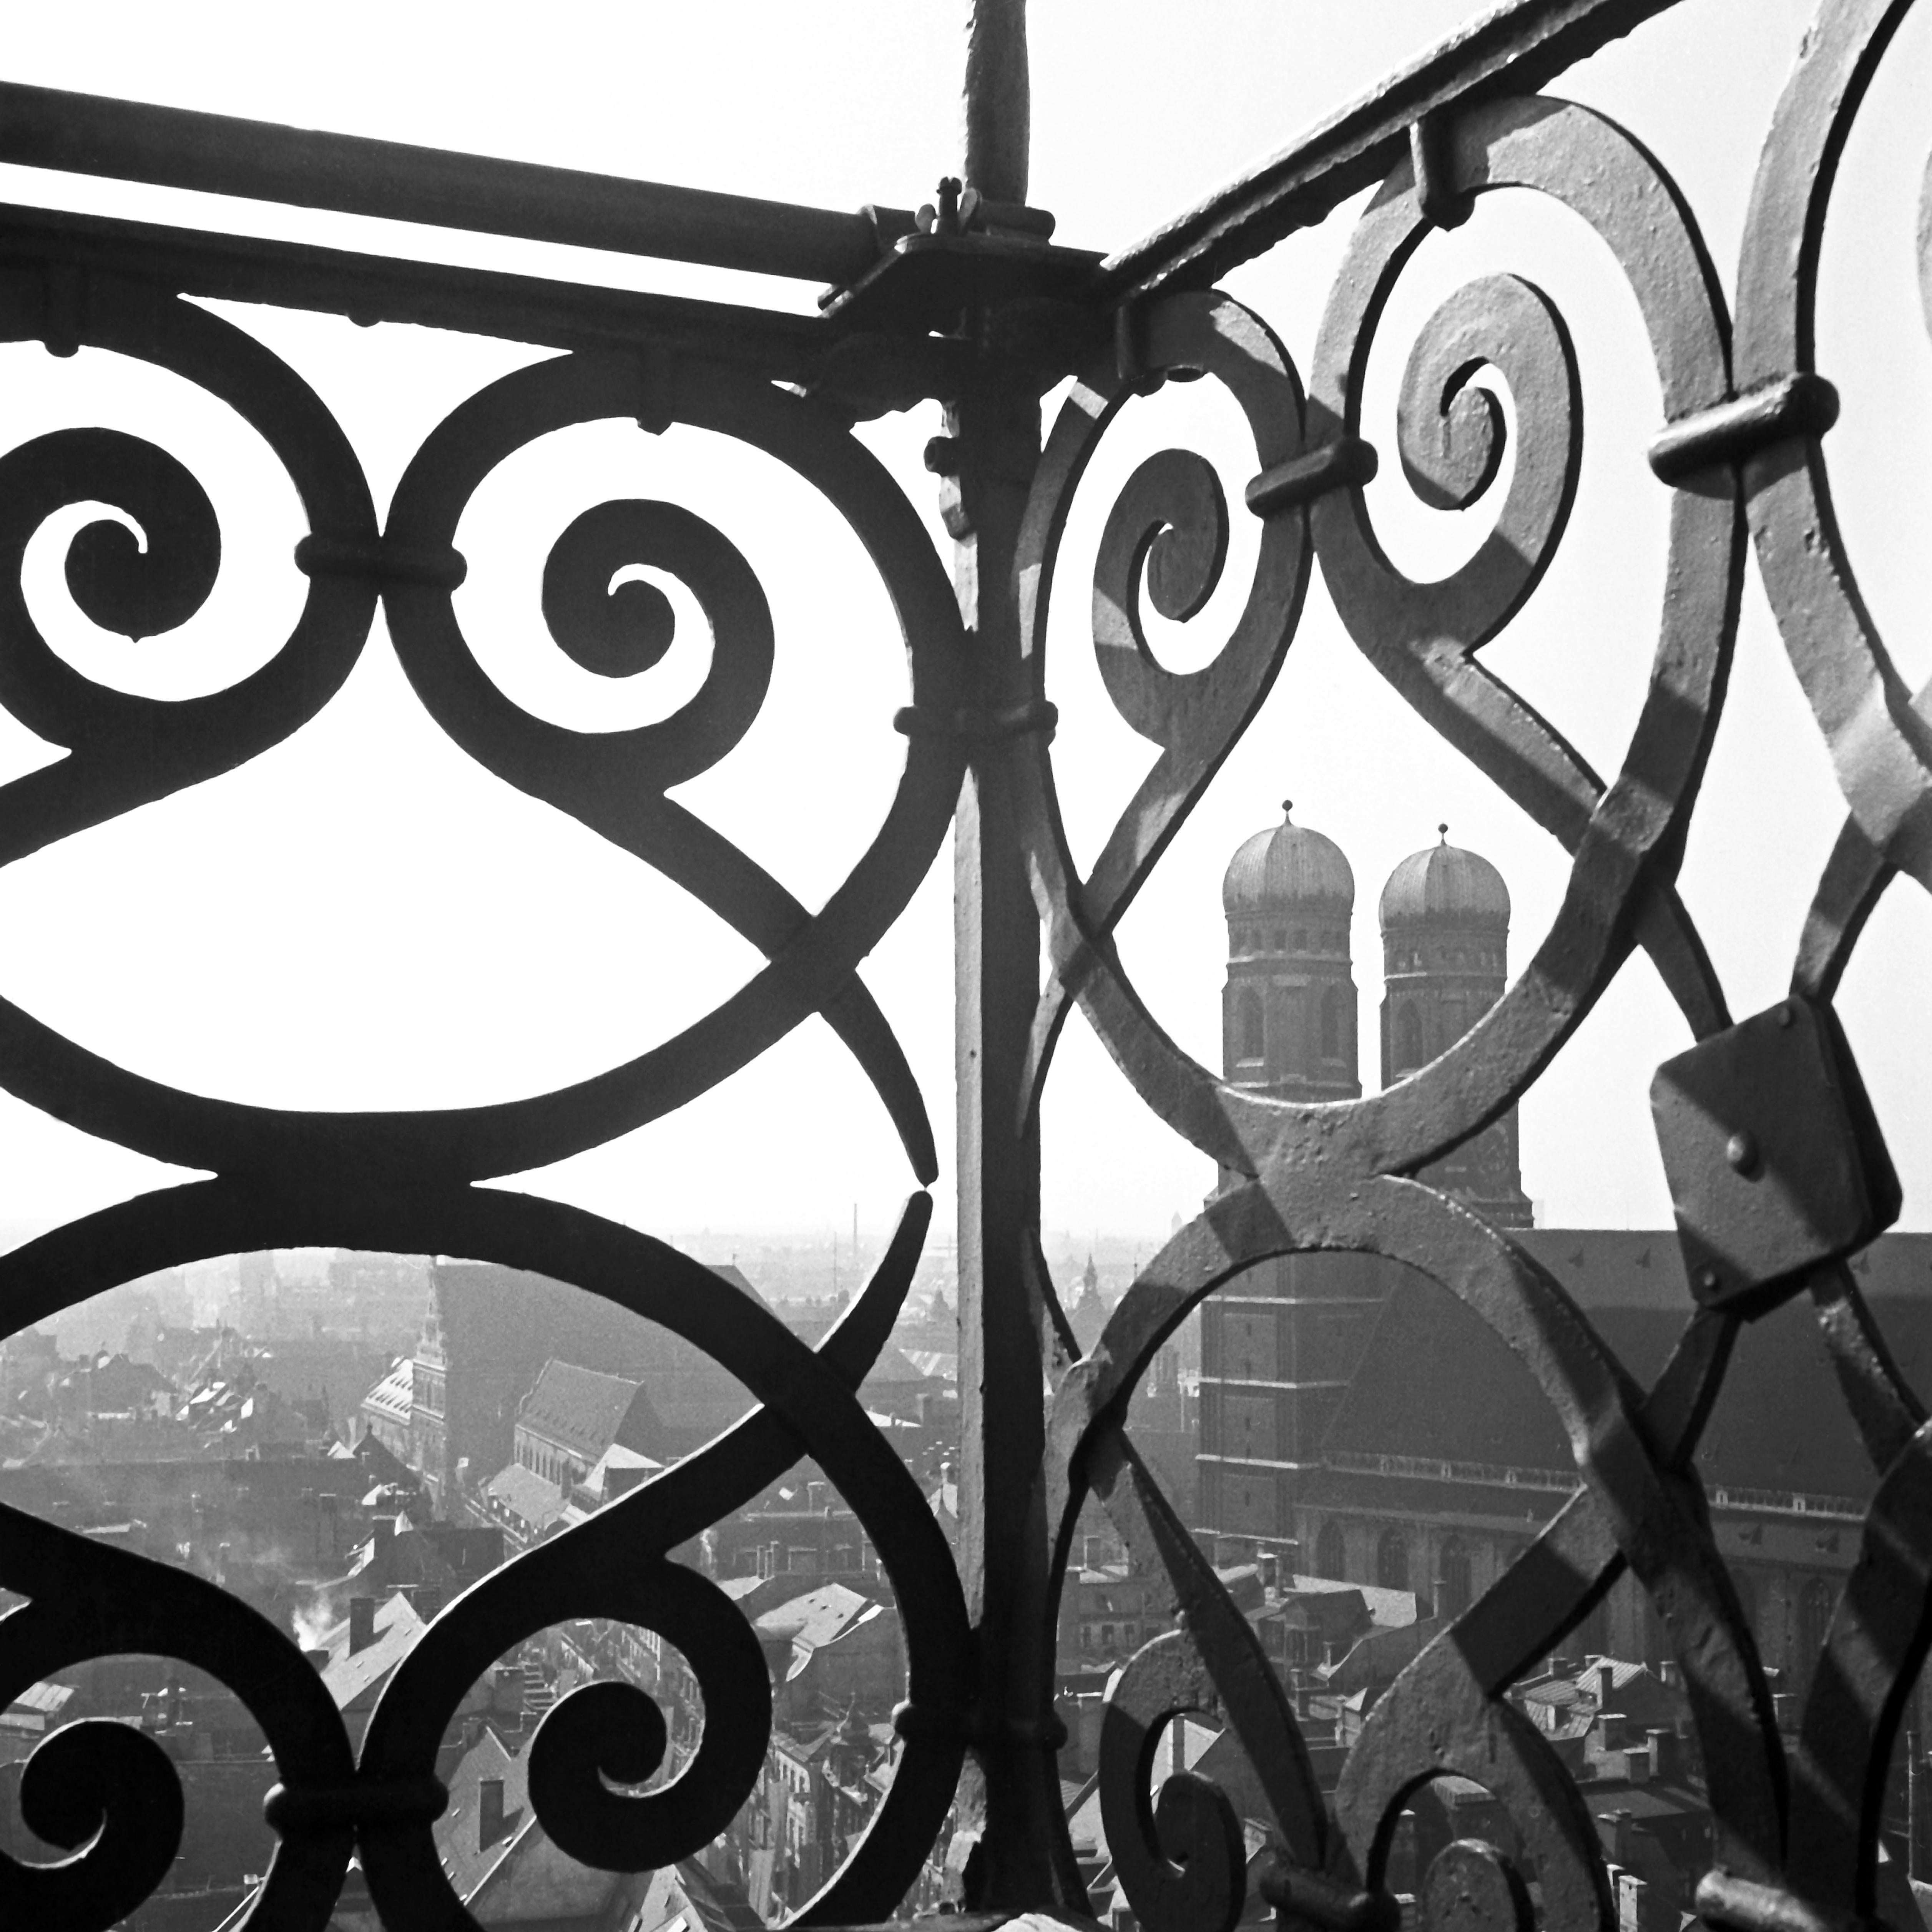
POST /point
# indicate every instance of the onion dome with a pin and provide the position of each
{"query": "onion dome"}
(1443, 885)
(1288, 865)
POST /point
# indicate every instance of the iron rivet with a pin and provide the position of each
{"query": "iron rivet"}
(1707, 1278)
(1741, 1151)
(1785, 1015)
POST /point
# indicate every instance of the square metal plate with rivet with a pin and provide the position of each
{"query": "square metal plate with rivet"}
(1774, 1158)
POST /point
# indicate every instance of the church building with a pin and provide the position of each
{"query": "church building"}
(1280, 1346)
(1357, 1422)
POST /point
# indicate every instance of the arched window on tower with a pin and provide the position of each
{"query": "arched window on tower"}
(1331, 1556)
(1331, 1024)
(1251, 1038)
(1454, 1592)
(1392, 1561)
(1408, 1039)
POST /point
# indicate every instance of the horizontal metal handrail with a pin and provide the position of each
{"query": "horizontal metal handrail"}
(371, 289)
(1516, 49)
(219, 154)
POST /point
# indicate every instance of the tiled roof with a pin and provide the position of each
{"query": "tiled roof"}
(467, 1863)
(711, 1904)
(352, 1676)
(395, 1395)
(582, 1408)
(533, 1499)
(815, 1617)
(1389, 1609)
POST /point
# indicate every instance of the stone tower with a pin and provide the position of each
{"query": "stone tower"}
(1445, 916)
(1288, 1019)
(1278, 1342)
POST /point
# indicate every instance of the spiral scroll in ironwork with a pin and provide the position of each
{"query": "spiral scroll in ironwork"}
(1316, 1164)
(87, 1600)
(125, 750)
(128, 750)
(1635, 1508)
(1624, 837)
(1181, 1858)
(615, 782)
(1424, 638)
(614, 1564)
(1167, 531)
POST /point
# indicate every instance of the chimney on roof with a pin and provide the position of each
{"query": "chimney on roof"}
(489, 1812)
(1663, 1749)
(381, 1528)
(1637, 1763)
(361, 1623)
(1607, 1684)
(426, 1600)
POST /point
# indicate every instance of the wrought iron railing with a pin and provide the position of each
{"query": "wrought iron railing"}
(1775, 1159)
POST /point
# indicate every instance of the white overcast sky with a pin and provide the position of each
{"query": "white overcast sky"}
(364, 917)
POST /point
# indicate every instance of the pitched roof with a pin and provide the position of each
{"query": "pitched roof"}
(1389, 1609)
(687, 1891)
(816, 1617)
(352, 1676)
(395, 1395)
(734, 1277)
(582, 1408)
(894, 1365)
(468, 1863)
(534, 1500)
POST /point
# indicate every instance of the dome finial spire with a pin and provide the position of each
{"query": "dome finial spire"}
(1443, 829)
(1287, 808)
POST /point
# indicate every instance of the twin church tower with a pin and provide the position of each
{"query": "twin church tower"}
(1288, 1023)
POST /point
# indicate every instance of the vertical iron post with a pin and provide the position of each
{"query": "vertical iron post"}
(994, 446)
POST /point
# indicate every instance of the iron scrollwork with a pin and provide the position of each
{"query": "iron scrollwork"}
(402, 1182)
(1341, 1175)
(1740, 452)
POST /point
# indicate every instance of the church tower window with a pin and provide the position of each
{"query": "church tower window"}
(1250, 1032)
(1407, 1040)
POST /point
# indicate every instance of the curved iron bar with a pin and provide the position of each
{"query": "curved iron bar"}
(1327, 1178)
(1881, 748)
(1582, 159)
(611, 783)
(613, 1564)
(1625, 839)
